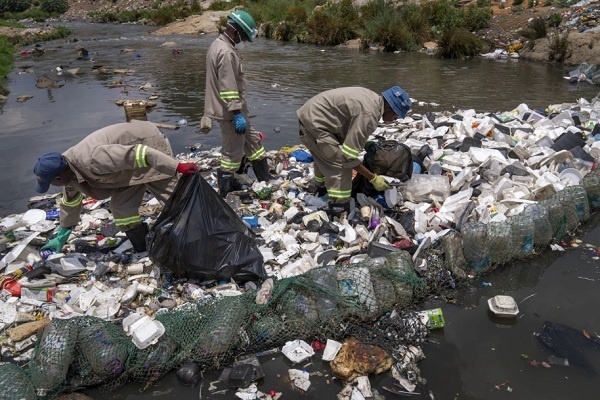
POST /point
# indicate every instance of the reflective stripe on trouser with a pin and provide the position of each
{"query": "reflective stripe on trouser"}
(338, 180)
(126, 203)
(235, 146)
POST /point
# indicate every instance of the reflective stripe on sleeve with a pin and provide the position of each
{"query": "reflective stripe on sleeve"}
(230, 95)
(350, 151)
(140, 155)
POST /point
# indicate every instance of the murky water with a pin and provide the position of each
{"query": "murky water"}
(475, 352)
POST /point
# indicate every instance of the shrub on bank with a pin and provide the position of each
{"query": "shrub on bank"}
(14, 6)
(54, 6)
(459, 43)
(559, 47)
(333, 24)
(156, 15)
(536, 29)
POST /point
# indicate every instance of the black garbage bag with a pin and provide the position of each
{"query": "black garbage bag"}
(386, 157)
(570, 343)
(199, 236)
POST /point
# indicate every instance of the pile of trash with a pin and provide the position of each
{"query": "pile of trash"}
(585, 72)
(480, 190)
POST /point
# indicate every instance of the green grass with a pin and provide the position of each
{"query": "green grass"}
(157, 14)
(7, 50)
(11, 24)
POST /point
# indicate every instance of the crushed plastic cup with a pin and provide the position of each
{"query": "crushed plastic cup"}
(297, 351)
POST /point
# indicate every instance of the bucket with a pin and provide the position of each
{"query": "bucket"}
(135, 110)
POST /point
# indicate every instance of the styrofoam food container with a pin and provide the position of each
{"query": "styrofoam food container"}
(331, 350)
(503, 306)
(297, 351)
(144, 331)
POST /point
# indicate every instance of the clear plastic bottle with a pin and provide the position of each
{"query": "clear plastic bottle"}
(583, 165)
(326, 280)
(53, 357)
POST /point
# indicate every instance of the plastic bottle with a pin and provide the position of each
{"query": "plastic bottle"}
(55, 354)
(264, 292)
(326, 280)
(130, 293)
(103, 349)
(375, 218)
(583, 165)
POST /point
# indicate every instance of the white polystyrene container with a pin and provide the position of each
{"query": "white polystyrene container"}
(503, 306)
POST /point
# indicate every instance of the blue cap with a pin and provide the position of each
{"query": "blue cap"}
(48, 167)
(398, 99)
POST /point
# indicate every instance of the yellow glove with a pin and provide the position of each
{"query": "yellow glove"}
(379, 183)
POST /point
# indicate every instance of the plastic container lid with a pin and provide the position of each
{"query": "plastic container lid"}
(571, 174)
(34, 216)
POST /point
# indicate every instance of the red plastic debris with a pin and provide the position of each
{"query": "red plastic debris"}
(317, 346)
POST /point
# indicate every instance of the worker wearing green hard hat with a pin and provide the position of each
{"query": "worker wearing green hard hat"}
(225, 102)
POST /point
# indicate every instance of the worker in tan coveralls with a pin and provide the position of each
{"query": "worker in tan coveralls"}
(225, 102)
(119, 161)
(335, 125)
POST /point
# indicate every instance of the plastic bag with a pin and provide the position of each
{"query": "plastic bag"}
(199, 236)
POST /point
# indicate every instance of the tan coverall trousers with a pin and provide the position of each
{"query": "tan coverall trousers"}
(235, 146)
(328, 165)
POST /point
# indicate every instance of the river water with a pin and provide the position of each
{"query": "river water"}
(475, 352)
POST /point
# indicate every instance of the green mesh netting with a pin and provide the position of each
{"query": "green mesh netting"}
(15, 383)
(591, 185)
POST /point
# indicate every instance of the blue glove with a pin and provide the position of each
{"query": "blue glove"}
(240, 123)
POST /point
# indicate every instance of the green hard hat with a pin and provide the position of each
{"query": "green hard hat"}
(246, 22)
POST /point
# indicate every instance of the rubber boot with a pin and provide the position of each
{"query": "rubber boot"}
(316, 190)
(337, 209)
(226, 182)
(243, 166)
(137, 237)
(261, 170)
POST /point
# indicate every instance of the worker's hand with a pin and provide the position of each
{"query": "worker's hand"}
(59, 241)
(379, 183)
(187, 168)
(240, 123)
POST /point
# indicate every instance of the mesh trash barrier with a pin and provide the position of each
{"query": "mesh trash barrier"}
(476, 246)
(499, 236)
(454, 259)
(15, 383)
(591, 185)
(556, 216)
(521, 235)
(542, 232)
(327, 302)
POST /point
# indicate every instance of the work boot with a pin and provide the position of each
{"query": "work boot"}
(226, 182)
(243, 166)
(316, 190)
(337, 209)
(137, 237)
(261, 170)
